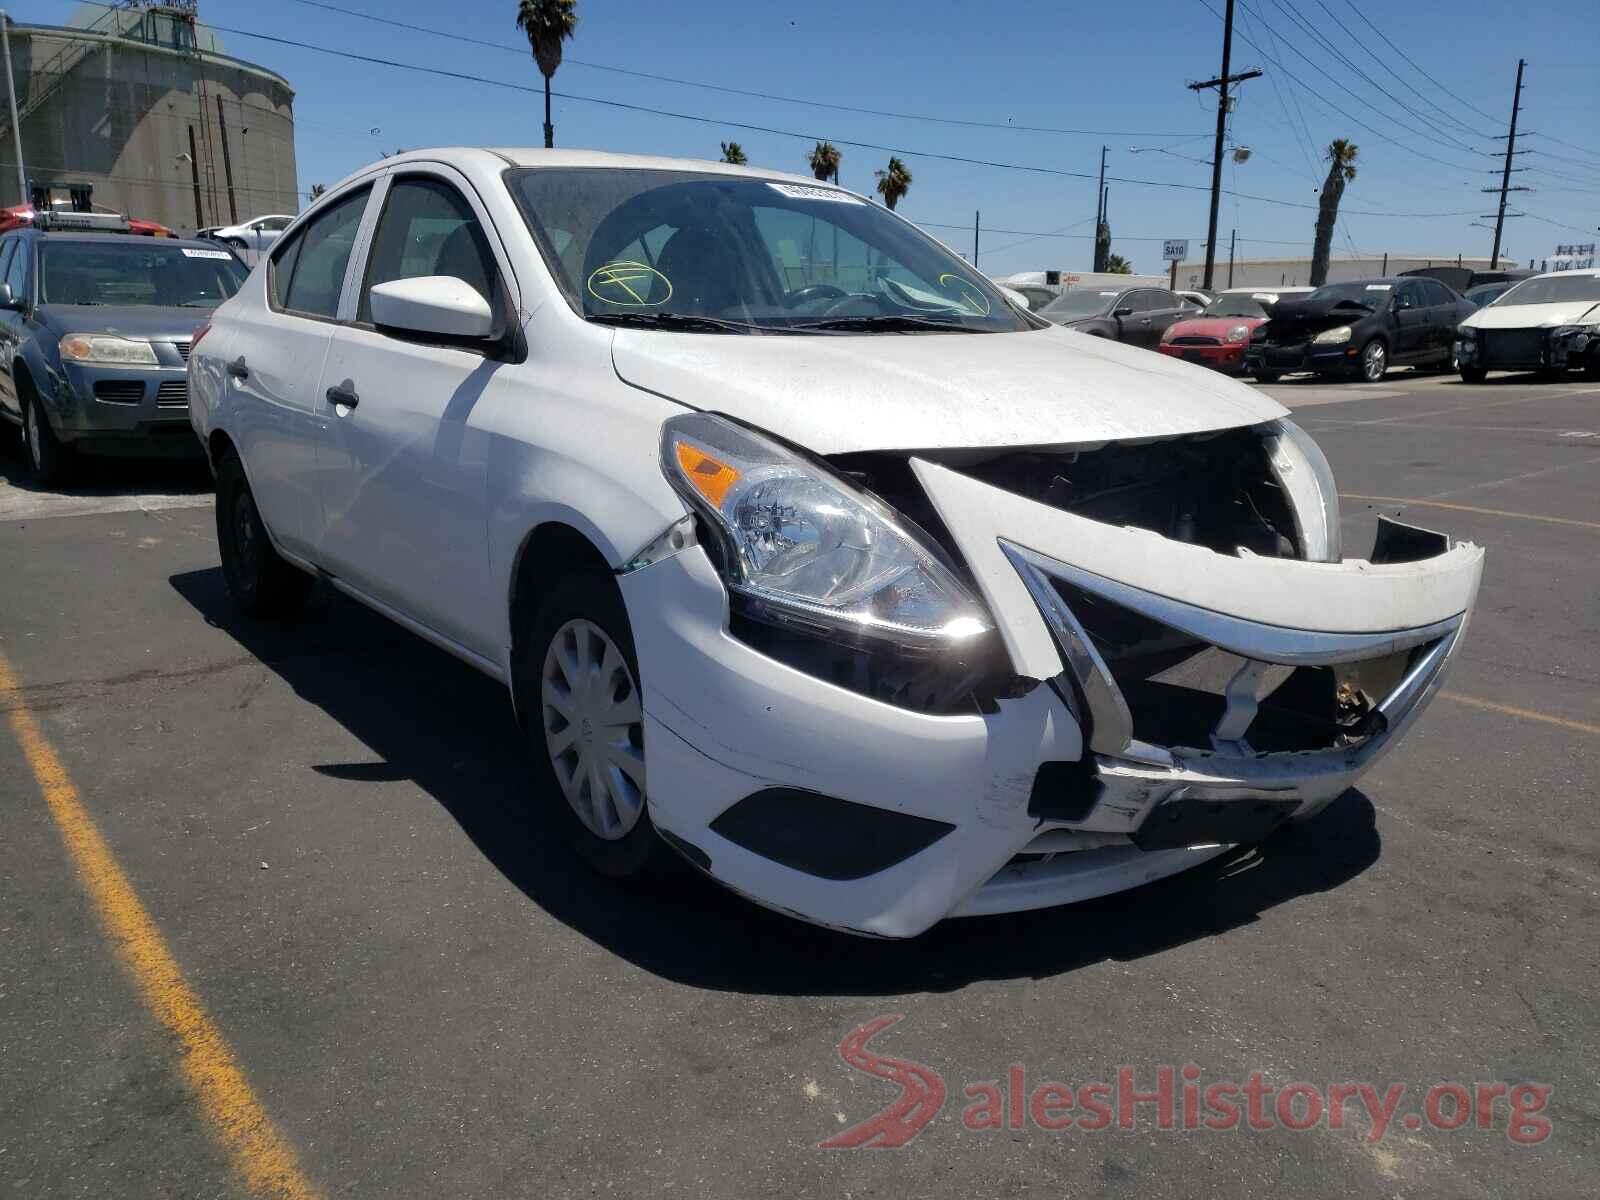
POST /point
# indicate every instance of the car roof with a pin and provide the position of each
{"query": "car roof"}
(114, 239)
(1558, 274)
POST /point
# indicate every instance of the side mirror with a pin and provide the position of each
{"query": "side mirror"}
(1122, 312)
(439, 305)
(1401, 302)
(9, 302)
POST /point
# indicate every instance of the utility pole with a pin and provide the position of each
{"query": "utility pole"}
(1232, 235)
(1505, 175)
(1221, 83)
(11, 98)
(1098, 262)
(975, 216)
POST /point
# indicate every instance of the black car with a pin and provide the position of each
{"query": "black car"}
(1138, 316)
(94, 334)
(1359, 330)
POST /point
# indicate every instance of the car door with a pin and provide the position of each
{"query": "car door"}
(1411, 323)
(10, 338)
(1443, 310)
(1170, 308)
(274, 364)
(403, 464)
(1134, 328)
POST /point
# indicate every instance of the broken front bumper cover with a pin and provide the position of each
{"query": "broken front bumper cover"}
(725, 723)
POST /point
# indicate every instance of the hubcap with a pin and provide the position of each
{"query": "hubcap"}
(593, 728)
(1374, 361)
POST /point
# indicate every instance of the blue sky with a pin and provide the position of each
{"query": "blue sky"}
(1073, 67)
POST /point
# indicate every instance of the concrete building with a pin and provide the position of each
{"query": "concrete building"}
(145, 106)
(1295, 272)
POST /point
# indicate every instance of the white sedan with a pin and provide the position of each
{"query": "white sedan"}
(1547, 323)
(801, 553)
(250, 238)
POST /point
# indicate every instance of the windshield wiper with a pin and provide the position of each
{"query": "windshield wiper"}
(672, 321)
(887, 324)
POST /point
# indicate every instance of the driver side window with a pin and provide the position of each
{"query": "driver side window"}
(427, 229)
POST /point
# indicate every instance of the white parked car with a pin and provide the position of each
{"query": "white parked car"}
(1548, 323)
(251, 237)
(874, 597)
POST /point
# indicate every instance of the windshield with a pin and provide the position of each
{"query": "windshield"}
(1088, 302)
(1241, 304)
(1554, 289)
(136, 273)
(1488, 292)
(1367, 295)
(729, 254)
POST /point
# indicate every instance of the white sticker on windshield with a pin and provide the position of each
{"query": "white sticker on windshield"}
(1379, 287)
(1108, 293)
(803, 191)
(1267, 296)
(190, 253)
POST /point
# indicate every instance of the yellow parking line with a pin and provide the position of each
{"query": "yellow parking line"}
(1526, 714)
(258, 1151)
(1468, 508)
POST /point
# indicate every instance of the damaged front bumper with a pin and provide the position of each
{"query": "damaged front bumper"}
(1173, 701)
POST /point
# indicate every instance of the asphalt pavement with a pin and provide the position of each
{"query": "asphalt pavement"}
(328, 824)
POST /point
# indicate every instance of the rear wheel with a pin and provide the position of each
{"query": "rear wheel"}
(1473, 374)
(261, 583)
(50, 460)
(1268, 376)
(578, 684)
(1374, 361)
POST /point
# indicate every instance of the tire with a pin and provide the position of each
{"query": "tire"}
(577, 678)
(1474, 374)
(236, 244)
(1268, 376)
(1591, 364)
(1373, 364)
(261, 583)
(50, 461)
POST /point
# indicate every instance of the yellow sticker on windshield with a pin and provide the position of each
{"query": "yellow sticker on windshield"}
(968, 294)
(628, 284)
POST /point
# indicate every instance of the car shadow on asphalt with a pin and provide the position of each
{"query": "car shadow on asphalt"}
(434, 721)
(105, 475)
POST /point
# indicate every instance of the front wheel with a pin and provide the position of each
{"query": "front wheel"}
(1268, 376)
(261, 583)
(578, 688)
(1474, 374)
(1374, 361)
(51, 461)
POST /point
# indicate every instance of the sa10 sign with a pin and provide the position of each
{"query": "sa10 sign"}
(1175, 249)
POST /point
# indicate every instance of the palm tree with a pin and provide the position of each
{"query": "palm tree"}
(824, 161)
(547, 23)
(1341, 169)
(894, 181)
(733, 153)
(1117, 265)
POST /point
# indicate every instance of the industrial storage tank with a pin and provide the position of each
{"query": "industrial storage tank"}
(139, 101)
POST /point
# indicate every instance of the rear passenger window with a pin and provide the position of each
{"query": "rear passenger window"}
(308, 275)
(427, 229)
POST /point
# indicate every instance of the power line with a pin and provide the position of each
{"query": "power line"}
(1557, 224)
(1568, 145)
(1416, 67)
(522, 51)
(728, 124)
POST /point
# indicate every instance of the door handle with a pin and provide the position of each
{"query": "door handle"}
(237, 368)
(341, 394)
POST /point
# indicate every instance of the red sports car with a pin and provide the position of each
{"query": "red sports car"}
(1216, 338)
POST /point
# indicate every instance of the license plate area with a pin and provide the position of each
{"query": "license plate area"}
(1202, 820)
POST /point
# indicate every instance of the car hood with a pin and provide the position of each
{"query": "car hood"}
(836, 394)
(1533, 316)
(1293, 320)
(141, 321)
(1216, 327)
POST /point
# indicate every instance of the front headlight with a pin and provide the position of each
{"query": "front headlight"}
(1336, 336)
(1303, 472)
(809, 546)
(108, 348)
(1238, 333)
(1467, 333)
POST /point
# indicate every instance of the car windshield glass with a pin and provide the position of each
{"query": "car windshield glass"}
(1488, 292)
(760, 256)
(1365, 295)
(136, 272)
(1240, 304)
(1086, 303)
(1553, 289)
